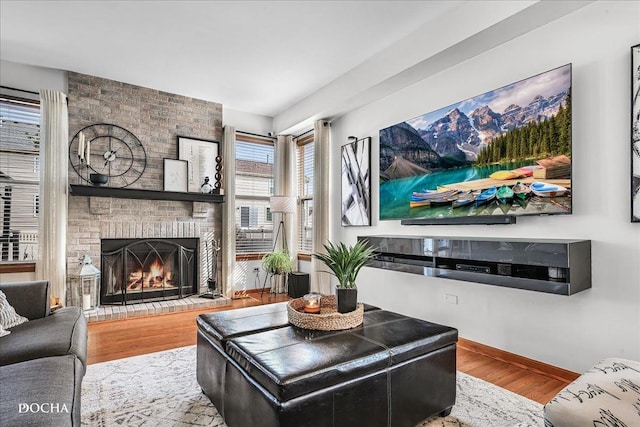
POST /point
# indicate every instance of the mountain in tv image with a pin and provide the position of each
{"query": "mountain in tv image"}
(524, 120)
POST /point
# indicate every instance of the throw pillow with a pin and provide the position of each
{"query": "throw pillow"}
(8, 316)
(3, 332)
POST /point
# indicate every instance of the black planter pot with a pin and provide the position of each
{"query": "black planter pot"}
(347, 299)
(298, 284)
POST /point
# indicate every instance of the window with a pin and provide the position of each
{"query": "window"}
(305, 194)
(19, 178)
(248, 217)
(254, 187)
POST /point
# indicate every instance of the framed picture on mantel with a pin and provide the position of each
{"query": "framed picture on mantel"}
(175, 175)
(200, 155)
(635, 133)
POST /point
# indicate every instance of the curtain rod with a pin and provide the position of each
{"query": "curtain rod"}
(20, 90)
(269, 136)
(303, 133)
(30, 92)
(255, 134)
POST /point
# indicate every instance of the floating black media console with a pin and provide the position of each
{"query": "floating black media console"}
(554, 266)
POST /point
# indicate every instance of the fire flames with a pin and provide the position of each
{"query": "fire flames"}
(156, 276)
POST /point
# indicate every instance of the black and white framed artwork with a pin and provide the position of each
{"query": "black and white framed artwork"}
(175, 175)
(200, 155)
(635, 133)
(356, 183)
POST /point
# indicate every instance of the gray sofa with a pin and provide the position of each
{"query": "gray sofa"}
(42, 361)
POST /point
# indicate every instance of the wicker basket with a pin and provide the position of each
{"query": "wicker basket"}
(328, 319)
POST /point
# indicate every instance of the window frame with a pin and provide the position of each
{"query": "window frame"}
(303, 197)
(239, 199)
(28, 266)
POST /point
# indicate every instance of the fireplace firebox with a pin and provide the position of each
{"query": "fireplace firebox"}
(147, 270)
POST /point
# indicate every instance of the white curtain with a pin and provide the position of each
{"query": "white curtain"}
(229, 211)
(54, 183)
(285, 184)
(320, 281)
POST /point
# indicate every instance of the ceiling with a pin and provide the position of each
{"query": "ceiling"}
(260, 57)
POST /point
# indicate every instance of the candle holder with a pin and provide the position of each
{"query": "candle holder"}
(326, 318)
(312, 303)
(88, 290)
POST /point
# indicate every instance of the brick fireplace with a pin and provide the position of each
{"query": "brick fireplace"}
(157, 119)
(148, 270)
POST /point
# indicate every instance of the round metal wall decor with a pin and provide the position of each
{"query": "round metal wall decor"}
(103, 154)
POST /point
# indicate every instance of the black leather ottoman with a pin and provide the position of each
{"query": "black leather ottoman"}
(214, 329)
(391, 371)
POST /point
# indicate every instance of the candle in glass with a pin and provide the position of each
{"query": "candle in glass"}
(312, 303)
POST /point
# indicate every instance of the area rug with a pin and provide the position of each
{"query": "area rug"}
(160, 389)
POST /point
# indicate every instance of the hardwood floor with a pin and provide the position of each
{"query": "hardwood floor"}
(117, 339)
(533, 385)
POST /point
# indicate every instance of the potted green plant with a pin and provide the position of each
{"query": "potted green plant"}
(277, 262)
(279, 265)
(345, 263)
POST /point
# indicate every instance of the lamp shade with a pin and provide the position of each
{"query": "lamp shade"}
(283, 204)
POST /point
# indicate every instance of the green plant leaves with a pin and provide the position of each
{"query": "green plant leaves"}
(278, 262)
(345, 261)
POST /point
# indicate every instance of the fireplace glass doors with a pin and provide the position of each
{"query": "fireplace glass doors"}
(135, 270)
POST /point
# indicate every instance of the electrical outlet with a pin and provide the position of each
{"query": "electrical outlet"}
(256, 269)
(451, 299)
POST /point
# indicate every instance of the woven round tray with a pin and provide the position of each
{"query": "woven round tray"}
(328, 319)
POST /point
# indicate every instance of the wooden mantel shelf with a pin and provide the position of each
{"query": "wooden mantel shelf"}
(128, 193)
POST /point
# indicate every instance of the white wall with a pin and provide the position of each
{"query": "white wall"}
(570, 332)
(247, 122)
(245, 276)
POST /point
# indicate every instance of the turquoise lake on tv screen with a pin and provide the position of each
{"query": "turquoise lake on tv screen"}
(396, 194)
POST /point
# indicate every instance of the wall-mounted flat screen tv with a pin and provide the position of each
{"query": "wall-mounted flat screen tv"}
(505, 152)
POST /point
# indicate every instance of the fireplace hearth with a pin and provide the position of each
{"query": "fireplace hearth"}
(148, 270)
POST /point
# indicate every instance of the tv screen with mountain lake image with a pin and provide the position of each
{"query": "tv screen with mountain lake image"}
(505, 152)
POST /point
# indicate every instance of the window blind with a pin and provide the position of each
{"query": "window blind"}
(254, 187)
(305, 194)
(19, 178)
